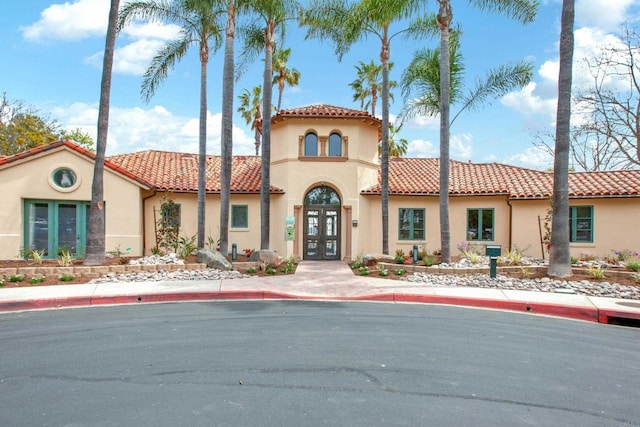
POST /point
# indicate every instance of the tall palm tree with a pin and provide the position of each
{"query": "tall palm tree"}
(95, 251)
(272, 16)
(344, 24)
(251, 111)
(198, 22)
(521, 10)
(559, 255)
(282, 74)
(421, 82)
(233, 7)
(368, 83)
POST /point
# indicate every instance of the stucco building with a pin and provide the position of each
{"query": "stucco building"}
(325, 196)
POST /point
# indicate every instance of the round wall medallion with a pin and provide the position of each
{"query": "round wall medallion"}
(64, 179)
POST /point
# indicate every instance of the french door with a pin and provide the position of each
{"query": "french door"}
(54, 226)
(321, 232)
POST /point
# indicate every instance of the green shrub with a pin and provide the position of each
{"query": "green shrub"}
(596, 272)
(364, 270)
(634, 265)
(15, 278)
(271, 271)
(251, 270)
(574, 260)
(36, 279)
(399, 258)
(66, 278)
(398, 271)
(428, 261)
(384, 272)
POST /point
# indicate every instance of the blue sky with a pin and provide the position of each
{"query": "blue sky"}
(51, 57)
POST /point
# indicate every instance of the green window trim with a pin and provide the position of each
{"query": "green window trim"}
(240, 216)
(478, 227)
(411, 224)
(581, 224)
(45, 226)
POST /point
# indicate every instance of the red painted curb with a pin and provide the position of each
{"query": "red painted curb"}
(590, 314)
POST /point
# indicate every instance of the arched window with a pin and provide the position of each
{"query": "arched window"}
(311, 144)
(322, 195)
(335, 145)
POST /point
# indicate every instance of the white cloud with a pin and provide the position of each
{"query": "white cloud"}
(604, 14)
(422, 148)
(531, 157)
(69, 21)
(460, 146)
(136, 129)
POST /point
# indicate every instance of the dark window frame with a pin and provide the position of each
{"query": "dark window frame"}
(236, 216)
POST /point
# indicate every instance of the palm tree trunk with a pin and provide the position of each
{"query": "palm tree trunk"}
(280, 90)
(444, 22)
(265, 181)
(559, 255)
(202, 143)
(227, 130)
(95, 251)
(384, 163)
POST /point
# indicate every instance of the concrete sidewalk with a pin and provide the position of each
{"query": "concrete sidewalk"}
(321, 280)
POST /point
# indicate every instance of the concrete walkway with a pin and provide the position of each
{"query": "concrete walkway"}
(321, 280)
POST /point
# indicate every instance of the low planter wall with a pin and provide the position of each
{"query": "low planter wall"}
(95, 271)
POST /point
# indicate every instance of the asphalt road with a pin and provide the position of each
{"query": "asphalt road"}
(313, 363)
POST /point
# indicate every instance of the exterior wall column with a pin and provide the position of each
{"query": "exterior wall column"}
(348, 233)
(297, 209)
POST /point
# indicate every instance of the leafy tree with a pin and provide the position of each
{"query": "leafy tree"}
(272, 17)
(78, 136)
(95, 251)
(368, 83)
(198, 21)
(251, 111)
(22, 127)
(522, 10)
(559, 254)
(282, 74)
(345, 24)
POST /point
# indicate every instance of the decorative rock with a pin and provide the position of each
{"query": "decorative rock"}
(213, 259)
(373, 259)
(266, 256)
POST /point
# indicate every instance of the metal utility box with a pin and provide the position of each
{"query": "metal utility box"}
(493, 250)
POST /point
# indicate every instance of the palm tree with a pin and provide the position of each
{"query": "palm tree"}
(421, 82)
(397, 146)
(273, 16)
(522, 10)
(346, 24)
(95, 251)
(559, 255)
(198, 21)
(368, 83)
(282, 74)
(251, 111)
(233, 7)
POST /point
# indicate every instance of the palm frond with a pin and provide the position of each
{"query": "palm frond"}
(160, 65)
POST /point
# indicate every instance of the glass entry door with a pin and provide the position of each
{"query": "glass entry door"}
(53, 226)
(322, 233)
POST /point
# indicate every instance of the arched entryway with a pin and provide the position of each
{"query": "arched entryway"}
(321, 224)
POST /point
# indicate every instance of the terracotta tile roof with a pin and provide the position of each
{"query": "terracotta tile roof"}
(78, 149)
(179, 171)
(420, 176)
(324, 111)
